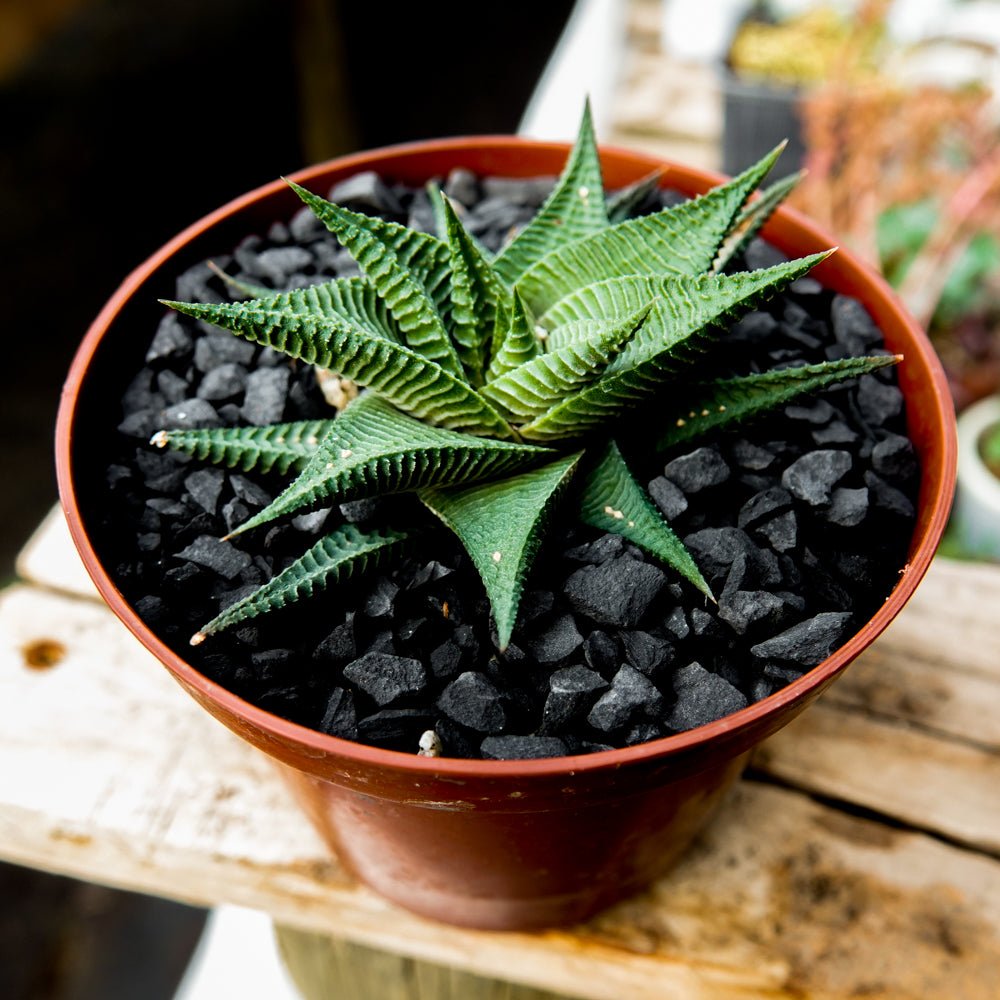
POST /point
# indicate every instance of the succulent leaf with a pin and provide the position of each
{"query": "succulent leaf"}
(476, 291)
(683, 239)
(574, 209)
(710, 406)
(373, 449)
(515, 342)
(584, 316)
(501, 525)
(622, 204)
(533, 388)
(612, 500)
(398, 262)
(332, 559)
(279, 447)
(301, 325)
(753, 217)
(690, 312)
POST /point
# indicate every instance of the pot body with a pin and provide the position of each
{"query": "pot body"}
(977, 505)
(495, 844)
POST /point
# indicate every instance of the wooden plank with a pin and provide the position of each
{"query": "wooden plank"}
(50, 559)
(111, 773)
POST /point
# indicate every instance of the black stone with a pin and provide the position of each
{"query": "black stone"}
(218, 348)
(218, 556)
(249, 492)
(668, 497)
(752, 456)
(189, 414)
(698, 470)
(381, 598)
(462, 186)
(812, 477)
(600, 551)
(600, 651)
(223, 382)
(446, 660)
(648, 653)
(395, 728)
(702, 697)
(781, 532)
(234, 513)
(205, 487)
(763, 506)
(743, 609)
(848, 507)
(340, 645)
(893, 457)
(278, 264)
(676, 624)
(618, 592)
(557, 642)
(366, 191)
(311, 523)
(472, 701)
(887, 497)
(356, 511)
(852, 326)
(171, 386)
(386, 678)
(631, 693)
(171, 342)
(878, 402)
(818, 412)
(571, 694)
(808, 643)
(835, 433)
(267, 389)
(339, 716)
(522, 747)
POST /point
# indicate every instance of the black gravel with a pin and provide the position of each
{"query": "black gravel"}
(799, 522)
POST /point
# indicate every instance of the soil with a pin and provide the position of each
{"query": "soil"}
(799, 522)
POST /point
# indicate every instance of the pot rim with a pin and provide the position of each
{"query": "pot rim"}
(785, 221)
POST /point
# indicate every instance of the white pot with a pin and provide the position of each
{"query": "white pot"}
(977, 504)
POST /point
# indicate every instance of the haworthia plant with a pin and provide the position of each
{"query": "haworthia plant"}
(495, 384)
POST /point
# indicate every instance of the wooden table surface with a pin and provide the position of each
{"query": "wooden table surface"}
(857, 858)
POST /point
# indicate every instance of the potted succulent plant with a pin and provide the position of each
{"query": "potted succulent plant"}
(509, 388)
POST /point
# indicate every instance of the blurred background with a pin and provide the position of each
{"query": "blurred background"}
(125, 120)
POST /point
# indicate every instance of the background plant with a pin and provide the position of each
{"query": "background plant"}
(501, 386)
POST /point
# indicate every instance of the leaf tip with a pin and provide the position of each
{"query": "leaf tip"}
(160, 439)
(197, 639)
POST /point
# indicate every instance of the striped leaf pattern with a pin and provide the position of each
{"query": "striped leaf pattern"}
(725, 402)
(690, 313)
(278, 448)
(413, 383)
(333, 559)
(611, 500)
(684, 239)
(374, 450)
(476, 292)
(531, 389)
(474, 362)
(575, 209)
(385, 252)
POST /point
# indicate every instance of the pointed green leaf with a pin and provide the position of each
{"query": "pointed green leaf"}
(373, 450)
(314, 334)
(332, 559)
(387, 253)
(245, 288)
(516, 338)
(613, 501)
(707, 407)
(501, 524)
(755, 213)
(533, 388)
(280, 447)
(476, 292)
(574, 209)
(436, 199)
(690, 311)
(623, 203)
(683, 239)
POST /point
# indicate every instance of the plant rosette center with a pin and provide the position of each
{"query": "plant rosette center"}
(690, 441)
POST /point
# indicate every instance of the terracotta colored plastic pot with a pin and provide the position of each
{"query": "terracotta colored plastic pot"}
(511, 844)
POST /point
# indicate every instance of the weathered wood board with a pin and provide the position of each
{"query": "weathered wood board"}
(110, 772)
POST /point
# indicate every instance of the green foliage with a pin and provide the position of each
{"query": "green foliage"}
(469, 358)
